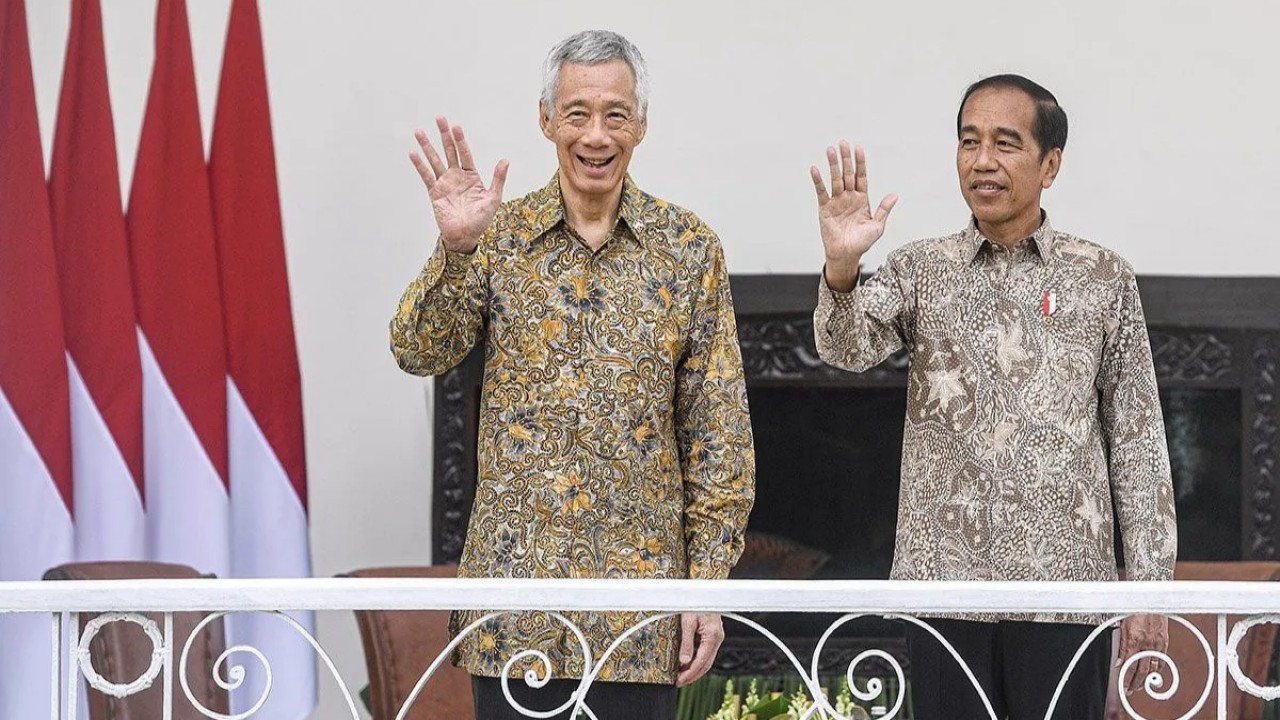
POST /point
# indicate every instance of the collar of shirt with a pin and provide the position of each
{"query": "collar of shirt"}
(544, 210)
(1041, 241)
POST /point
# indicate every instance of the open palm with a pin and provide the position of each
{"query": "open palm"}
(463, 206)
(844, 215)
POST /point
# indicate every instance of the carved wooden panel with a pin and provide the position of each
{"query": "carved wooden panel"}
(1260, 443)
(778, 349)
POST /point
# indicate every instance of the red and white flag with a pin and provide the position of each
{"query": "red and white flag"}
(175, 273)
(268, 467)
(97, 301)
(35, 427)
(1048, 303)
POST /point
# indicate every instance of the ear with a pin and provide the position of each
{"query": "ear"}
(1049, 167)
(543, 120)
(642, 127)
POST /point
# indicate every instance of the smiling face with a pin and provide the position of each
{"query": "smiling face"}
(999, 163)
(595, 125)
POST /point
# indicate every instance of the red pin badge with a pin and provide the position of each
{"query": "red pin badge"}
(1048, 303)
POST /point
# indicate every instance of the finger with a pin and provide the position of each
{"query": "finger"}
(1122, 649)
(1162, 634)
(860, 170)
(437, 167)
(886, 206)
(1143, 668)
(710, 635)
(423, 170)
(701, 664)
(846, 165)
(688, 628)
(837, 180)
(818, 185)
(499, 178)
(1132, 683)
(446, 140)
(464, 150)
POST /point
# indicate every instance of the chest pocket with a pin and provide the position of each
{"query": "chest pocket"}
(1070, 329)
(1073, 325)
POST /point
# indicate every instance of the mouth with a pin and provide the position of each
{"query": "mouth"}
(596, 166)
(986, 188)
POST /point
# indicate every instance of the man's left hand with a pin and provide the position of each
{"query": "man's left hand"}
(1139, 633)
(700, 638)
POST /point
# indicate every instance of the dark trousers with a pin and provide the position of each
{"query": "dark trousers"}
(1018, 665)
(608, 700)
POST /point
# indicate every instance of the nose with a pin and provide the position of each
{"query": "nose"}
(596, 134)
(986, 159)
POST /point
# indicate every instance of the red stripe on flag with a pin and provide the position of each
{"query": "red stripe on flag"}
(33, 360)
(170, 224)
(261, 350)
(88, 228)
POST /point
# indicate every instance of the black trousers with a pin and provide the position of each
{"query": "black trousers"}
(608, 700)
(1018, 665)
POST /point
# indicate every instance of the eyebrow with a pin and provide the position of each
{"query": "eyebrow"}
(572, 102)
(1010, 133)
(1004, 131)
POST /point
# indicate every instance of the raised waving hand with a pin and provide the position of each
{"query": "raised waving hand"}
(844, 215)
(463, 206)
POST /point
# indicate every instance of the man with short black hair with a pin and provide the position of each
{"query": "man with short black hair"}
(1031, 404)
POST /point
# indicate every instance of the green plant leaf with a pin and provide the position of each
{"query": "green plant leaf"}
(770, 708)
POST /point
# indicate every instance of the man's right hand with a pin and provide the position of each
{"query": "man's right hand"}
(462, 205)
(844, 216)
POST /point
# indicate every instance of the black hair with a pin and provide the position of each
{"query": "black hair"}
(1050, 126)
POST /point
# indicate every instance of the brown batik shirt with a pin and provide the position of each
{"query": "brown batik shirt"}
(614, 438)
(1031, 404)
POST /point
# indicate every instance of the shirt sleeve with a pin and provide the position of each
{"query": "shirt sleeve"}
(441, 314)
(713, 430)
(1133, 428)
(858, 329)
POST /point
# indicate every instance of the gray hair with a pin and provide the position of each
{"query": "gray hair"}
(594, 47)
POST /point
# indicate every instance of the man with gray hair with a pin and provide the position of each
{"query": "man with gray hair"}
(614, 437)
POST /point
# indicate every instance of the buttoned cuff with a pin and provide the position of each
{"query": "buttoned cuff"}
(456, 264)
(445, 267)
(838, 300)
(707, 571)
(832, 303)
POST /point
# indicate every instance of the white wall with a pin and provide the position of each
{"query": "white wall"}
(1170, 161)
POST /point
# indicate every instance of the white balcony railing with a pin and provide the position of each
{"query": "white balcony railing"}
(124, 601)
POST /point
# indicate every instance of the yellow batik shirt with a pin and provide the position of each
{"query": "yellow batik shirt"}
(614, 437)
